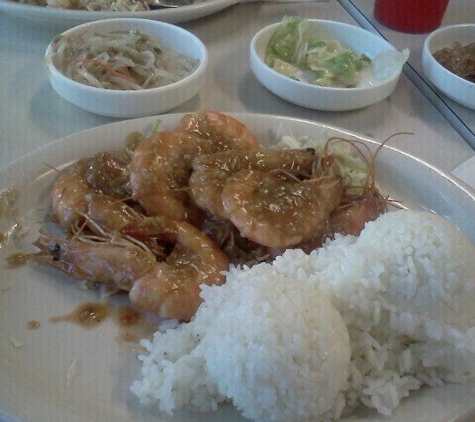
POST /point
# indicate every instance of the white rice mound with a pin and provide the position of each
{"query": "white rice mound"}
(405, 288)
(362, 320)
(250, 343)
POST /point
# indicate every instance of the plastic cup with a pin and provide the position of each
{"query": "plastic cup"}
(414, 16)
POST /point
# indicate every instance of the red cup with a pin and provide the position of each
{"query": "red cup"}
(414, 16)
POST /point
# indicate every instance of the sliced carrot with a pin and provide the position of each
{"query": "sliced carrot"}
(109, 69)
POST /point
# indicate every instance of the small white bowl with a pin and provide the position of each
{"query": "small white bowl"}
(367, 92)
(133, 103)
(455, 87)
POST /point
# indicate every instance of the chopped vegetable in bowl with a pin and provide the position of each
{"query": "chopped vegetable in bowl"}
(295, 51)
(122, 60)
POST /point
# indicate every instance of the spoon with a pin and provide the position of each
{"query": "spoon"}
(168, 4)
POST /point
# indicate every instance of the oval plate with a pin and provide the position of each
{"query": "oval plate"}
(65, 18)
(64, 372)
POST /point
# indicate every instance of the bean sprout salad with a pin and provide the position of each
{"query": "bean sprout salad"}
(119, 60)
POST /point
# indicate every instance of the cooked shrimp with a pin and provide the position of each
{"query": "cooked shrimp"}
(172, 214)
(206, 187)
(161, 165)
(67, 199)
(108, 172)
(351, 217)
(171, 289)
(76, 205)
(226, 132)
(86, 184)
(159, 173)
(299, 160)
(240, 251)
(108, 213)
(116, 262)
(356, 209)
(210, 172)
(276, 211)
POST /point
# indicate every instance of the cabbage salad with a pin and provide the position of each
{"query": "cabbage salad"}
(296, 52)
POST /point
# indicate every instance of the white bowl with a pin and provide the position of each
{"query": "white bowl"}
(133, 103)
(367, 92)
(455, 87)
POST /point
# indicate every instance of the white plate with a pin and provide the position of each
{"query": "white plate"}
(64, 19)
(34, 381)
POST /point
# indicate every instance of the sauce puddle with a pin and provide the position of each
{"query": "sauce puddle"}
(133, 323)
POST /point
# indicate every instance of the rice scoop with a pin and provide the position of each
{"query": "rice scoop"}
(271, 344)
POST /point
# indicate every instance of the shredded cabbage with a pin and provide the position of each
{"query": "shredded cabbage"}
(295, 52)
(353, 169)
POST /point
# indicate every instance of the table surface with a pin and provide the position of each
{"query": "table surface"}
(32, 114)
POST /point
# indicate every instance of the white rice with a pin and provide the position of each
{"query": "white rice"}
(310, 337)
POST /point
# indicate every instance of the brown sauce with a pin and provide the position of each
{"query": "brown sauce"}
(86, 315)
(7, 201)
(129, 316)
(132, 322)
(8, 214)
(33, 325)
(16, 260)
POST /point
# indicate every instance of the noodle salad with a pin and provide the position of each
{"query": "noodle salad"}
(120, 60)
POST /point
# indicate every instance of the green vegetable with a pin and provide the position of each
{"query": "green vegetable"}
(353, 169)
(294, 51)
(288, 41)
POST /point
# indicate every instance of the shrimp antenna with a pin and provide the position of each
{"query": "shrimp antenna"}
(52, 167)
(372, 167)
(358, 145)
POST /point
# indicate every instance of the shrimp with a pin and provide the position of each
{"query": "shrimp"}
(159, 173)
(210, 172)
(168, 288)
(277, 211)
(108, 172)
(356, 209)
(114, 261)
(67, 199)
(161, 165)
(240, 251)
(92, 188)
(172, 288)
(76, 205)
(226, 132)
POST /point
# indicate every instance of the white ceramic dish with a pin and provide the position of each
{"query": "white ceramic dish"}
(455, 87)
(368, 91)
(65, 19)
(137, 103)
(62, 372)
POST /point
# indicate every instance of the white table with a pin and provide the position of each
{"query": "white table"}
(32, 114)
